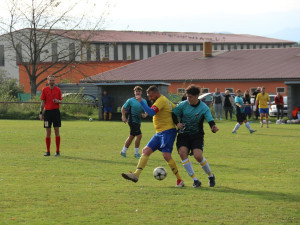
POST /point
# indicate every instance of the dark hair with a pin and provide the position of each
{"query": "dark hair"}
(238, 90)
(153, 89)
(192, 90)
(137, 88)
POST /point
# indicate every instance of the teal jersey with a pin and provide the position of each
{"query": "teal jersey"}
(192, 117)
(134, 110)
(241, 102)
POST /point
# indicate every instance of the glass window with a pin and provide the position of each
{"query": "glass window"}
(72, 51)
(280, 89)
(180, 90)
(204, 90)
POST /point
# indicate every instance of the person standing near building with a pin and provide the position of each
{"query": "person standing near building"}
(228, 104)
(240, 113)
(255, 93)
(163, 140)
(190, 139)
(261, 102)
(135, 112)
(218, 104)
(51, 98)
(247, 103)
(279, 105)
(107, 102)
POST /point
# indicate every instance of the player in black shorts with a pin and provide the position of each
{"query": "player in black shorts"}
(191, 134)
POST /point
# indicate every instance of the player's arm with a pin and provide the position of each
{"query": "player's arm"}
(41, 109)
(123, 111)
(177, 112)
(209, 118)
(150, 111)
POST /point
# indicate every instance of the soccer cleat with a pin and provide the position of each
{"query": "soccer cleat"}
(234, 132)
(179, 183)
(212, 181)
(268, 126)
(130, 176)
(137, 155)
(252, 131)
(47, 154)
(123, 154)
(57, 154)
(197, 183)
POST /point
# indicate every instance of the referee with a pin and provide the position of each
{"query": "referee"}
(51, 98)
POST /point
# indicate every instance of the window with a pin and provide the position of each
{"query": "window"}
(280, 89)
(222, 46)
(180, 47)
(231, 90)
(97, 52)
(149, 50)
(194, 47)
(156, 49)
(19, 57)
(204, 90)
(141, 51)
(124, 50)
(54, 52)
(242, 46)
(165, 48)
(201, 47)
(72, 51)
(248, 46)
(180, 91)
(172, 48)
(1, 55)
(116, 52)
(132, 51)
(187, 48)
(215, 47)
(106, 50)
(88, 52)
(252, 90)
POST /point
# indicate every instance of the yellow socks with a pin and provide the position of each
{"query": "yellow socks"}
(174, 168)
(141, 165)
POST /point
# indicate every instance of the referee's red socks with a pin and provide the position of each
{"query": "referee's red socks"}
(48, 142)
(57, 141)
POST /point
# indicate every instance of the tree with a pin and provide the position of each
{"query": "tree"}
(8, 86)
(36, 28)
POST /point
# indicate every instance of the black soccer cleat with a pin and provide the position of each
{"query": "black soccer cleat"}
(47, 154)
(197, 183)
(57, 154)
(212, 181)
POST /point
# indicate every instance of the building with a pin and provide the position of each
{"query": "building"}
(227, 70)
(92, 52)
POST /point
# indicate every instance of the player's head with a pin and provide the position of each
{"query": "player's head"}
(51, 80)
(153, 93)
(238, 92)
(192, 94)
(226, 92)
(278, 93)
(263, 90)
(104, 92)
(137, 90)
(258, 89)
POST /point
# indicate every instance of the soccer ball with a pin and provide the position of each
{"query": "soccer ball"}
(91, 119)
(159, 173)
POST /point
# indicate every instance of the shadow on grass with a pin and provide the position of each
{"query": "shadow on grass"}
(98, 160)
(268, 195)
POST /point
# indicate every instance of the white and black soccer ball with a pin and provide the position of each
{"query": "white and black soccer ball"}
(91, 119)
(159, 173)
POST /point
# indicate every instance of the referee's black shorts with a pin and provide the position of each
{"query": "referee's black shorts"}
(195, 141)
(52, 117)
(135, 128)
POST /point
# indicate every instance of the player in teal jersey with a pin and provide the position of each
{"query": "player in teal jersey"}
(135, 112)
(190, 139)
(240, 113)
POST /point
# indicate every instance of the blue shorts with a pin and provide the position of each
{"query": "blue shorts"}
(107, 109)
(264, 110)
(163, 141)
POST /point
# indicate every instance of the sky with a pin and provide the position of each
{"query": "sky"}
(270, 18)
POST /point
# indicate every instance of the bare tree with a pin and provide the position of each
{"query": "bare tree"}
(43, 33)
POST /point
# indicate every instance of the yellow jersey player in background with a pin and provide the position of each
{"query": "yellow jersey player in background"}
(164, 138)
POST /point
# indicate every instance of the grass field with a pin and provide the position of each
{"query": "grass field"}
(257, 177)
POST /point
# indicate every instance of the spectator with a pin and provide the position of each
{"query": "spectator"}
(279, 104)
(247, 103)
(107, 102)
(228, 104)
(255, 93)
(218, 103)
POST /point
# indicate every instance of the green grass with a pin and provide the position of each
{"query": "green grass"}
(257, 177)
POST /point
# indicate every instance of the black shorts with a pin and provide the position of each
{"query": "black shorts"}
(52, 117)
(192, 142)
(135, 128)
(241, 117)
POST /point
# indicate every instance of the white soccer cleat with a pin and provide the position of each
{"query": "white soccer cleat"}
(180, 183)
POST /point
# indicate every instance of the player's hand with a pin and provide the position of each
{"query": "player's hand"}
(180, 126)
(214, 129)
(41, 116)
(144, 115)
(124, 119)
(55, 100)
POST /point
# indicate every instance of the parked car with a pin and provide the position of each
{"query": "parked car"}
(84, 97)
(208, 97)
